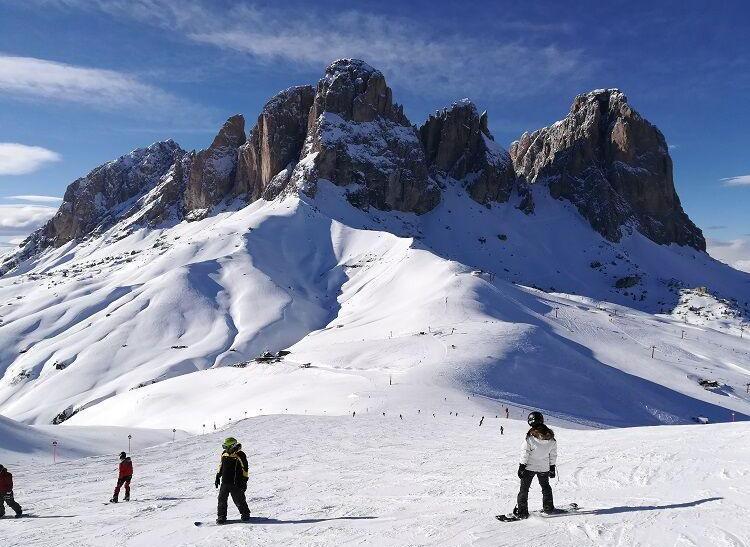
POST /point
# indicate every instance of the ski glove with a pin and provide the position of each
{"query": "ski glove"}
(552, 472)
(216, 482)
(521, 470)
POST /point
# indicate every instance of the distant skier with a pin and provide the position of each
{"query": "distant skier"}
(125, 475)
(232, 476)
(507, 413)
(538, 458)
(6, 493)
(481, 421)
(502, 431)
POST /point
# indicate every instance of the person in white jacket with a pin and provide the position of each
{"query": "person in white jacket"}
(538, 458)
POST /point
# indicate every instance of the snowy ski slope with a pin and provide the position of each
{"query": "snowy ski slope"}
(138, 329)
(383, 481)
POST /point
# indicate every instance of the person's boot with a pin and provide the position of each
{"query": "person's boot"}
(113, 500)
(245, 518)
(521, 514)
(19, 514)
(126, 498)
(221, 520)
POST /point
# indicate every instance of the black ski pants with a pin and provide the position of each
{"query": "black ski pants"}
(8, 498)
(238, 497)
(523, 494)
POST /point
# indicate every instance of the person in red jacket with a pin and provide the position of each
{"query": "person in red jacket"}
(124, 477)
(6, 493)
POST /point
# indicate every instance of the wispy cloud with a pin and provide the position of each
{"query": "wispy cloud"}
(20, 159)
(19, 220)
(42, 79)
(35, 199)
(742, 180)
(410, 54)
(735, 252)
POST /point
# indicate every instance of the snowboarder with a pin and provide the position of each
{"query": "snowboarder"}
(124, 477)
(232, 476)
(502, 431)
(538, 458)
(481, 421)
(6, 493)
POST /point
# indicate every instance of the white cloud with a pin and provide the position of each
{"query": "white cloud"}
(735, 252)
(742, 180)
(36, 199)
(20, 159)
(41, 79)
(21, 220)
(409, 53)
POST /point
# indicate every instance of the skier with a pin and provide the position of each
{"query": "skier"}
(123, 478)
(502, 431)
(6, 493)
(507, 414)
(538, 457)
(232, 476)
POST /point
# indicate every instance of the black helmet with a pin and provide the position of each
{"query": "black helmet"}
(535, 418)
(122, 455)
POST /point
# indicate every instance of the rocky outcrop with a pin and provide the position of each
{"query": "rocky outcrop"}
(613, 165)
(458, 144)
(357, 137)
(101, 196)
(213, 170)
(274, 144)
(165, 202)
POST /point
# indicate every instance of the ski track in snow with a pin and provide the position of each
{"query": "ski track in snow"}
(374, 480)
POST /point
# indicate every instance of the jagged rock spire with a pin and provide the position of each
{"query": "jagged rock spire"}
(613, 165)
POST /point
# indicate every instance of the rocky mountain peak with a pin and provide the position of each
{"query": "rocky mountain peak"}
(613, 165)
(458, 144)
(213, 170)
(357, 92)
(274, 145)
(90, 200)
(359, 138)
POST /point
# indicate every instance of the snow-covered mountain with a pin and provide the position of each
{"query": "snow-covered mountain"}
(379, 255)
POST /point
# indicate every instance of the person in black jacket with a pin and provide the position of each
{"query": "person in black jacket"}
(232, 476)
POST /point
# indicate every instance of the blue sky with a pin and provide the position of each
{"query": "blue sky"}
(83, 81)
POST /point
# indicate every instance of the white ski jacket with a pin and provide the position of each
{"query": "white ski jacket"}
(538, 454)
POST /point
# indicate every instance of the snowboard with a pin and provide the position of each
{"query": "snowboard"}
(229, 521)
(570, 508)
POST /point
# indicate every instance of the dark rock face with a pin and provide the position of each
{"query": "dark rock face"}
(98, 197)
(274, 144)
(458, 144)
(357, 92)
(213, 170)
(165, 202)
(358, 138)
(613, 165)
